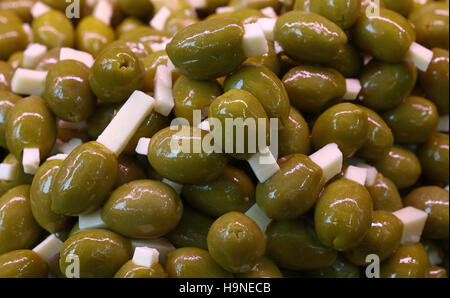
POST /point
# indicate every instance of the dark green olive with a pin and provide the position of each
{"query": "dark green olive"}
(7, 102)
(84, 180)
(191, 262)
(136, 8)
(434, 156)
(192, 229)
(129, 170)
(116, 73)
(100, 119)
(18, 228)
(100, 253)
(340, 269)
(22, 264)
(293, 244)
(180, 163)
(236, 242)
(348, 61)
(264, 268)
(409, 261)
(233, 190)
(67, 91)
(385, 194)
(143, 209)
(293, 137)
(293, 190)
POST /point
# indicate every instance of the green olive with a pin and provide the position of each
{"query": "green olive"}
(235, 242)
(179, 165)
(413, 121)
(21, 8)
(191, 262)
(146, 35)
(116, 73)
(48, 60)
(348, 61)
(6, 74)
(383, 239)
(53, 29)
(40, 198)
(67, 91)
(343, 214)
(435, 81)
(22, 264)
(190, 95)
(128, 25)
(101, 117)
(293, 244)
(151, 63)
(437, 272)
(245, 16)
(345, 124)
(385, 194)
(379, 137)
(256, 4)
(264, 268)
(208, 49)
(293, 137)
(30, 125)
(434, 201)
(21, 177)
(84, 180)
(409, 261)
(239, 106)
(386, 36)
(92, 35)
(136, 8)
(9, 17)
(192, 229)
(16, 59)
(386, 85)
(302, 83)
(340, 269)
(139, 48)
(131, 270)
(18, 228)
(309, 37)
(129, 170)
(403, 7)
(434, 157)
(143, 209)
(7, 102)
(178, 20)
(12, 39)
(269, 60)
(293, 190)
(100, 253)
(401, 166)
(265, 86)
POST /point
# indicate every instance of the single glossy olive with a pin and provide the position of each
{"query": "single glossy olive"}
(127, 25)
(7, 102)
(385, 195)
(343, 214)
(293, 244)
(22, 264)
(400, 165)
(136, 8)
(348, 61)
(434, 201)
(53, 29)
(12, 39)
(236, 242)
(383, 239)
(409, 261)
(434, 156)
(345, 124)
(40, 198)
(92, 35)
(18, 228)
(293, 137)
(176, 153)
(129, 170)
(100, 253)
(264, 268)
(131, 270)
(84, 180)
(191, 262)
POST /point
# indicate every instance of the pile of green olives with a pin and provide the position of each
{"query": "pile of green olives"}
(193, 206)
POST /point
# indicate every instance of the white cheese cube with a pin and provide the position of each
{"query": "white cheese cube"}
(91, 220)
(372, 173)
(49, 249)
(263, 164)
(8, 172)
(278, 48)
(161, 244)
(420, 56)
(160, 19)
(32, 54)
(259, 217)
(269, 12)
(443, 124)
(170, 66)
(204, 125)
(353, 89)
(71, 54)
(103, 11)
(267, 25)
(68, 147)
(125, 124)
(329, 158)
(145, 256)
(58, 156)
(197, 4)
(28, 31)
(39, 9)
(447, 188)
(413, 223)
(163, 91)
(28, 81)
(356, 174)
(254, 42)
(224, 9)
(142, 146)
(30, 160)
(176, 186)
